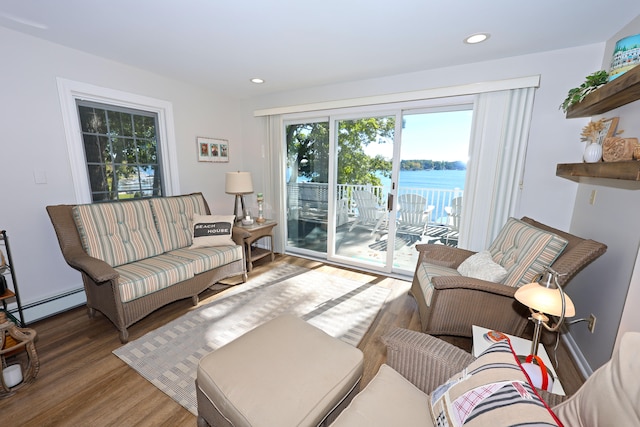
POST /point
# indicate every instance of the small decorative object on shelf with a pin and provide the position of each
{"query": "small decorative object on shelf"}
(616, 149)
(594, 133)
(260, 218)
(577, 94)
(19, 364)
(626, 55)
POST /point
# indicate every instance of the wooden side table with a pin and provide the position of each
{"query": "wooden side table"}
(252, 234)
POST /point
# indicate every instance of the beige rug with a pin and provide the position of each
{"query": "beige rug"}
(168, 357)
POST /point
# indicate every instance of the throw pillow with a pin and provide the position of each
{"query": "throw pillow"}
(481, 266)
(212, 230)
(492, 391)
(524, 251)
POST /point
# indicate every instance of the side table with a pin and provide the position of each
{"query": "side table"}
(522, 347)
(252, 234)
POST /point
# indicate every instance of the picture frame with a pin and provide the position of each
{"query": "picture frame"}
(609, 129)
(214, 150)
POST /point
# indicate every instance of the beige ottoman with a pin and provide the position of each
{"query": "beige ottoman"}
(282, 373)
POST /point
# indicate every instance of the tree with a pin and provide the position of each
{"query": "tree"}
(308, 150)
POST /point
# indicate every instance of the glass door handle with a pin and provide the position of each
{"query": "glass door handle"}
(390, 202)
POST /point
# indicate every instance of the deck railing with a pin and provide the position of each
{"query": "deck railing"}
(315, 195)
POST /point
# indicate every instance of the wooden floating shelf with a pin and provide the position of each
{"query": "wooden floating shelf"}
(616, 93)
(614, 174)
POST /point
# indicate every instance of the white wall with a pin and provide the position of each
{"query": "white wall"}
(33, 141)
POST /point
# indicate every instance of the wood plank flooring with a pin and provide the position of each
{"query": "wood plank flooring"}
(81, 383)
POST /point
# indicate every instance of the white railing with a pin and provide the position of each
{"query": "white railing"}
(316, 195)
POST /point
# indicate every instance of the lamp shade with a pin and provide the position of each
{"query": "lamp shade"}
(238, 183)
(545, 300)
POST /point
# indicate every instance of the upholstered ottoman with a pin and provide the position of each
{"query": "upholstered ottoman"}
(282, 373)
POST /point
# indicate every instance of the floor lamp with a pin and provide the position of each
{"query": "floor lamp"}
(238, 183)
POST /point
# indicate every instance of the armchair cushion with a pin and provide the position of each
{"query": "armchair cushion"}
(426, 271)
(524, 250)
(482, 266)
(492, 390)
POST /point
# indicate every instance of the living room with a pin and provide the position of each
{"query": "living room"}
(37, 165)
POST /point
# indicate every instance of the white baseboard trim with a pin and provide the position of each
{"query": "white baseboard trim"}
(48, 307)
(579, 359)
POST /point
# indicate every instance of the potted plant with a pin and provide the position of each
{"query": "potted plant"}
(592, 82)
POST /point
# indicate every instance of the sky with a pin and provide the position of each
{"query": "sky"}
(432, 136)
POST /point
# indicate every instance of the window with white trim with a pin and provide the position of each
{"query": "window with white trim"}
(121, 151)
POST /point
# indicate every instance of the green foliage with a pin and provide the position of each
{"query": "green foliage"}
(592, 82)
(415, 165)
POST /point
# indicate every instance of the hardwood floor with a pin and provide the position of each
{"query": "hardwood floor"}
(81, 383)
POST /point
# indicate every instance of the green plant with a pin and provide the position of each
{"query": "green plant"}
(592, 82)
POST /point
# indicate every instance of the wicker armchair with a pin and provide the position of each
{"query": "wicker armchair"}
(458, 302)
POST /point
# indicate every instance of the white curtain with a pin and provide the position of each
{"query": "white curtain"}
(498, 150)
(276, 184)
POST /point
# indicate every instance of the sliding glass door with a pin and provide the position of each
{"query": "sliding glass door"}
(365, 189)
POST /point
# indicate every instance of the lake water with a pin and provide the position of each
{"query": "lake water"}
(442, 179)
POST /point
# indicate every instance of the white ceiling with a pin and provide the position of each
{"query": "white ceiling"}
(302, 43)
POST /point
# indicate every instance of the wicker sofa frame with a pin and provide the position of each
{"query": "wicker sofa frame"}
(101, 280)
(458, 302)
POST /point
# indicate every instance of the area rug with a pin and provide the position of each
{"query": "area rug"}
(168, 356)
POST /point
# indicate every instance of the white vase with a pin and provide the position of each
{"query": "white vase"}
(593, 153)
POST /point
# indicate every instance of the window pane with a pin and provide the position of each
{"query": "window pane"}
(124, 139)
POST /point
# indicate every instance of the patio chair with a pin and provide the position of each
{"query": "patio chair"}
(454, 211)
(413, 214)
(370, 213)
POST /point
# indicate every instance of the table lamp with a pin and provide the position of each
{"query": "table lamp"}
(238, 183)
(543, 299)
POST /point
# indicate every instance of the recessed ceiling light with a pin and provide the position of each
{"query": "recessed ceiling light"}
(476, 38)
(257, 81)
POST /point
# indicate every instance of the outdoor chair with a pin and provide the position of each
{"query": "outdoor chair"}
(449, 303)
(413, 214)
(370, 213)
(454, 211)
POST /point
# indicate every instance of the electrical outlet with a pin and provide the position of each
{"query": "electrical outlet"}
(592, 199)
(592, 323)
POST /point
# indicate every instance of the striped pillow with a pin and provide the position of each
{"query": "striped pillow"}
(174, 218)
(492, 391)
(524, 251)
(118, 233)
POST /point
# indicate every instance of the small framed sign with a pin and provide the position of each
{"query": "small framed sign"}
(212, 149)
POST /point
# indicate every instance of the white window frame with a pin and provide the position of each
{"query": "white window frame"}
(69, 91)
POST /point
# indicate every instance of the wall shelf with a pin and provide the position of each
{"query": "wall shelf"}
(613, 174)
(619, 92)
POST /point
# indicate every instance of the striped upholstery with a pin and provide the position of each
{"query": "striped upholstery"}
(174, 219)
(524, 251)
(152, 274)
(118, 233)
(424, 274)
(492, 391)
(204, 259)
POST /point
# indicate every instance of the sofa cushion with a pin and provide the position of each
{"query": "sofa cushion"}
(426, 271)
(525, 251)
(493, 390)
(146, 276)
(388, 400)
(174, 217)
(611, 395)
(205, 259)
(118, 233)
(481, 266)
(212, 230)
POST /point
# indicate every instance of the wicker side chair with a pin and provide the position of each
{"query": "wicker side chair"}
(458, 302)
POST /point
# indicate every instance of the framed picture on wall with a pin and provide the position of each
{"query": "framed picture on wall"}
(212, 149)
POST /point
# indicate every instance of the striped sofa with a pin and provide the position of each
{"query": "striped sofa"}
(134, 256)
